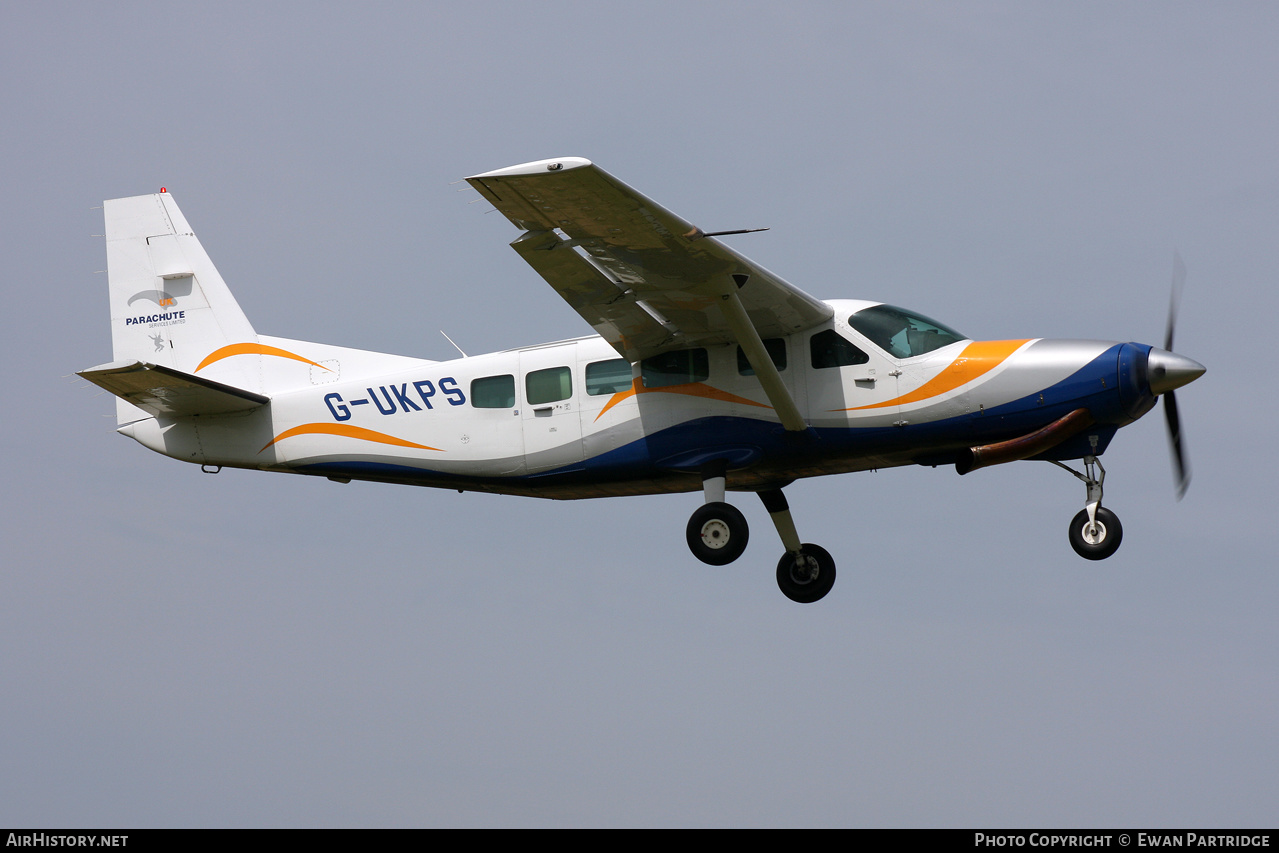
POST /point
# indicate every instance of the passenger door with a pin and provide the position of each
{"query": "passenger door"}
(552, 428)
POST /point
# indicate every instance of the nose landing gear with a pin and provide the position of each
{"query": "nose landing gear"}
(1096, 538)
(1095, 532)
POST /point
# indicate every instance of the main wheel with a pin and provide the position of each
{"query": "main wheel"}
(808, 576)
(1097, 541)
(717, 533)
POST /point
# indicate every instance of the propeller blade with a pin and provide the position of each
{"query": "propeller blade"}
(1174, 302)
(1180, 466)
(1175, 371)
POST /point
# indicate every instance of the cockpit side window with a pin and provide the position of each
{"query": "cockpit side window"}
(831, 349)
(901, 333)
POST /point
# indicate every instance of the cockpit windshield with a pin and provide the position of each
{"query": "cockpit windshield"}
(904, 334)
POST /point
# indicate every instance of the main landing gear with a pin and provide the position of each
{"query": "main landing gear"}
(1095, 533)
(806, 576)
(717, 534)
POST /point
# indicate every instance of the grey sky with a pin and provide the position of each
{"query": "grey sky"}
(179, 649)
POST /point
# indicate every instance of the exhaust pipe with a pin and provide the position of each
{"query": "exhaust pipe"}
(1027, 445)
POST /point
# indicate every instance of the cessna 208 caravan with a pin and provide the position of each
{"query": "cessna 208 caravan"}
(706, 372)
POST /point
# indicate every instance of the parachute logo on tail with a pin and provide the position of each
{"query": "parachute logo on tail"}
(159, 297)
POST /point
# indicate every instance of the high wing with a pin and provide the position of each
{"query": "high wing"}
(646, 280)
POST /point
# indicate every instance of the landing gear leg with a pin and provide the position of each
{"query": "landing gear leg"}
(1095, 532)
(806, 572)
(717, 532)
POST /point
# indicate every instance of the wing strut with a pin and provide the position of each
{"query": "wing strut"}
(765, 371)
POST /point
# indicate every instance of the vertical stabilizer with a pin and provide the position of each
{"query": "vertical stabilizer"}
(169, 305)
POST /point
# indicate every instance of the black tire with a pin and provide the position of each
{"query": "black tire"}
(795, 586)
(717, 533)
(1103, 542)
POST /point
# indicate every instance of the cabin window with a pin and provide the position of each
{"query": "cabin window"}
(901, 333)
(831, 349)
(608, 377)
(675, 368)
(493, 392)
(776, 351)
(549, 385)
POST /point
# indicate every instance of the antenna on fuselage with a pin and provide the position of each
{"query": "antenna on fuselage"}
(455, 346)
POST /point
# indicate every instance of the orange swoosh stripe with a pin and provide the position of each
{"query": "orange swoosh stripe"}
(617, 398)
(977, 359)
(692, 389)
(253, 349)
(698, 389)
(348, 432)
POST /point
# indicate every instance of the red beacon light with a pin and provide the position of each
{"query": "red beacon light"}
(163, 190)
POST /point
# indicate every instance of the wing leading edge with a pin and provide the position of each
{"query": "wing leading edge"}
(646, 280)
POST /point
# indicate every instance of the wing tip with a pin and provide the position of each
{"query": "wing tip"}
(537, 167)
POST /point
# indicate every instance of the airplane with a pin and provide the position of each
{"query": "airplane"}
(705, 372)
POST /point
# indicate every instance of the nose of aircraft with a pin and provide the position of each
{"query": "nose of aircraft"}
(1168, 371)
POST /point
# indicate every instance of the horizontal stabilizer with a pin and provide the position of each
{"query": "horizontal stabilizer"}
(164, 392)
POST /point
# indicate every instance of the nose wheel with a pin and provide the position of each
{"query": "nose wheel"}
(1095, 533)
(1096, 538)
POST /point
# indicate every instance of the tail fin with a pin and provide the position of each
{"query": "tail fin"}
(169, 305)
(182, 346)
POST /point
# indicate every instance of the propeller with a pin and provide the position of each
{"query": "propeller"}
(1176, 371)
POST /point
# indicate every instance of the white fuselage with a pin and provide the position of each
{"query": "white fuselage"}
(561, 420)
